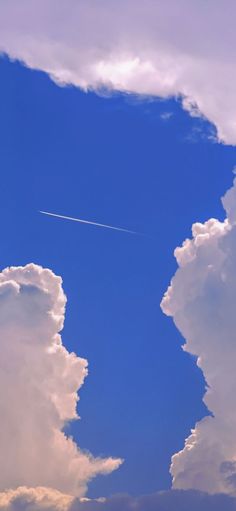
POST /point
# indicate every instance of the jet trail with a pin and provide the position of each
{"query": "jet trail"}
(88, 222)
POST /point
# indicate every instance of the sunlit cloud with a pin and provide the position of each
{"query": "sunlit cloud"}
(201, 299)
(40, 380)
(153, 48)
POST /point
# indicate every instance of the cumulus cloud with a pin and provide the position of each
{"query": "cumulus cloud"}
(152, 47)
(39, 380)
(44, 499)
(201, 299)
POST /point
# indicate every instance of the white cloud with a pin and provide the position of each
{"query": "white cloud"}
(166, 116)
(45, 499)
(201, 299)
(152, 47)
(34, 499)
(39, 380)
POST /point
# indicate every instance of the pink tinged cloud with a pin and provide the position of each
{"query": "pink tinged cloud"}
(153, 48)
(47, 499)
(201, 299)
(40, 380)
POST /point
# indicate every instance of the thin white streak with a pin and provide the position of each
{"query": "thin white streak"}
(88, 222)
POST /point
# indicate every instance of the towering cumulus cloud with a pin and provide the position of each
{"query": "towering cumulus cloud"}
(202, 301)
(39, 381)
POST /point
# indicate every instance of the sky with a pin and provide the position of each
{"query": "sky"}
(147, 146)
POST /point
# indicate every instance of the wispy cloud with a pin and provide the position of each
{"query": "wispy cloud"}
(166, 116)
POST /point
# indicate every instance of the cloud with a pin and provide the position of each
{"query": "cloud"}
(39, 380)
(44, 499)
(152, 47)
(33, 499)
(201, 299)
(166, 116)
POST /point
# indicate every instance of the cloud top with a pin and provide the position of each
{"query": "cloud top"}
(40, 380)
(160, 48)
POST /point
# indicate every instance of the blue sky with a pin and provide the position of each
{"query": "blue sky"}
(114, 160)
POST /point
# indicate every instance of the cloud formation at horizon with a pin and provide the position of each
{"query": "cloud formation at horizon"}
(46, 499)
(41, 380)
(152, 48)
(201, 299)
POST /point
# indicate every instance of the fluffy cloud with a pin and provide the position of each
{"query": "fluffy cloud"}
(152, 47)
(44, 499)
(39, 381)
(201, 299)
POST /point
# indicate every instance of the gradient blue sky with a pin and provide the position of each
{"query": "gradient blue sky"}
(115, 160)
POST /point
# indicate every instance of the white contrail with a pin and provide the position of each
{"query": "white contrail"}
(88, 222)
